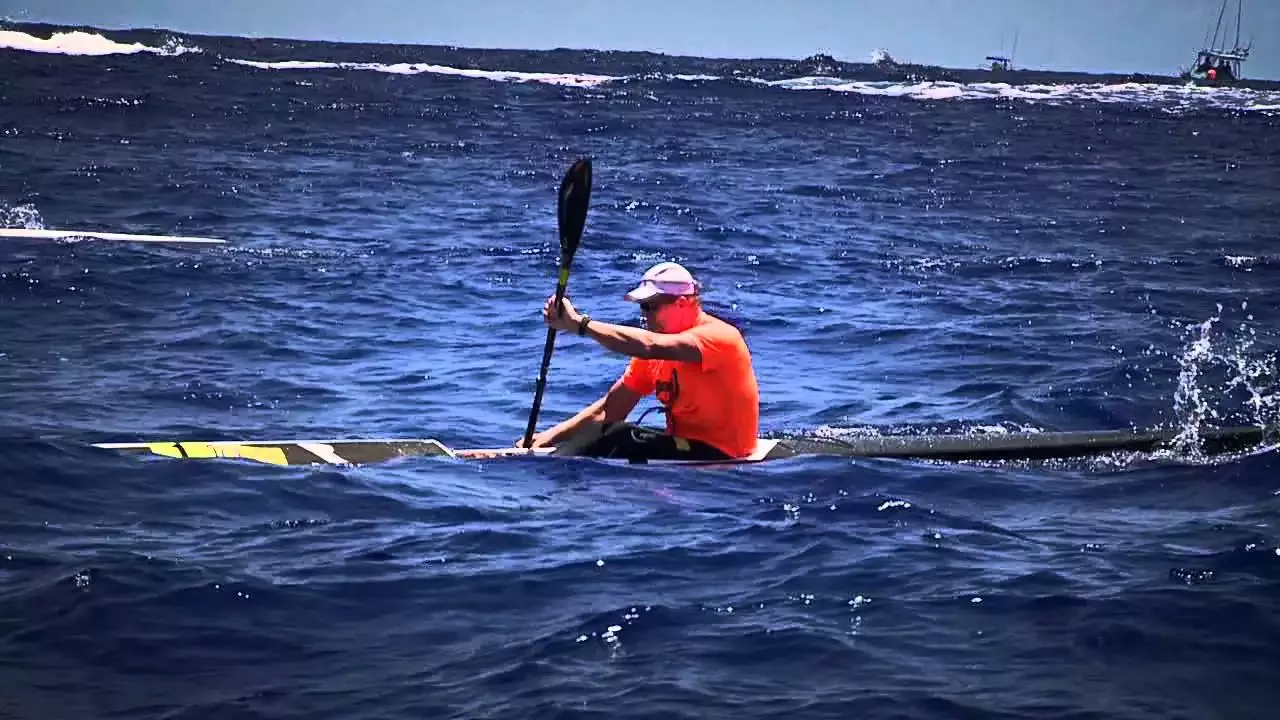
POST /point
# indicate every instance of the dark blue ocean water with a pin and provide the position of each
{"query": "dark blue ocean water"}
(904, 255)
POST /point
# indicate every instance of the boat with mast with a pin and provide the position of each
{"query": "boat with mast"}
(1215, 65)
(1002, 63)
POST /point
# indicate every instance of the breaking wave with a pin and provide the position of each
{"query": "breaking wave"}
(567, 79)
(1172, 98)
(78, 42)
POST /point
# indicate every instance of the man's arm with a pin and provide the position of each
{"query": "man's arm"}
(634, 342)
(641, 343)
(614, 406)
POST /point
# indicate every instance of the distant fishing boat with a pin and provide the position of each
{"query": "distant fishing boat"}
(1215, 65)
(1002, 63)
(820, 64)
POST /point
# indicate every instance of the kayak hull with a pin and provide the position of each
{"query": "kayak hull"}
(1004, 446)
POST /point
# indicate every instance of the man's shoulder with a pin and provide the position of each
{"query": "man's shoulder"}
(719, 341)
(712, 325)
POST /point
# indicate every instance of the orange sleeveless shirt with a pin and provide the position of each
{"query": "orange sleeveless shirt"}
(716, 401)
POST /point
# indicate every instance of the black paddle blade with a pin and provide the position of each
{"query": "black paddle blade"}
(571, 211)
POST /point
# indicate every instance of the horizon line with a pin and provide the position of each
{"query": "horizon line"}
(741, 58)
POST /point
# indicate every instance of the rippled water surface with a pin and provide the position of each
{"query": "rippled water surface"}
(902, 255)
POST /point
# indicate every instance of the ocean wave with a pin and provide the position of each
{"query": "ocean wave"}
(1171, 98)
(78, 42)
(1178, 96)
(899, 266)
(566, 79)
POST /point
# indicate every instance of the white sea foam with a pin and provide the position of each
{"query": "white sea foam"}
(1175, 96)
(20, 216)
(567, 79)
(82, 43)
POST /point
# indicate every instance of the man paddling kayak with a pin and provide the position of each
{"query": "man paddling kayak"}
(696, 365)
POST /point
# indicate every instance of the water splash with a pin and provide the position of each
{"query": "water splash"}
(174, 45)
(1221, 376)
(21, 216)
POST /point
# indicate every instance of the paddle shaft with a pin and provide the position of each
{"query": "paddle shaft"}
(546, 360)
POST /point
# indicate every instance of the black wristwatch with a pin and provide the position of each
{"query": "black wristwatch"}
(582, 324)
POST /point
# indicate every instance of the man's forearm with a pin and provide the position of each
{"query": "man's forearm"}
(623, 339)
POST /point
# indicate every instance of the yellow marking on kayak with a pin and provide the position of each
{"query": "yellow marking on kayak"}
(682, 445)
(166, 449)
(202, 450)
